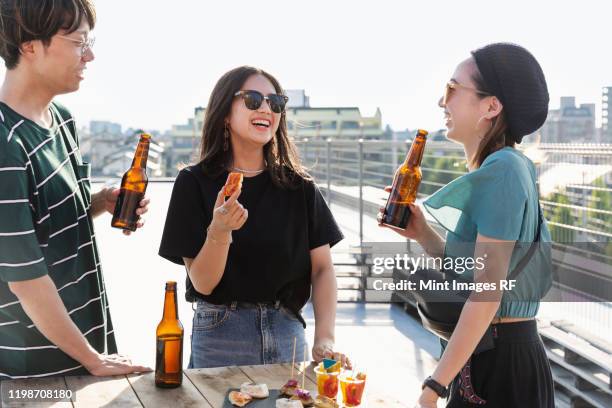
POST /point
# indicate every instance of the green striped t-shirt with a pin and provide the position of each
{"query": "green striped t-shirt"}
(46, 229)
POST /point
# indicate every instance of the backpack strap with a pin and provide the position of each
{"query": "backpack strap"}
(523, 262)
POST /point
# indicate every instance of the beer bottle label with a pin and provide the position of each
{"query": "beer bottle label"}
(169, 355)
(126, 206)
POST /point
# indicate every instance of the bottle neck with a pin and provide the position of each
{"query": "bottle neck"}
(170, 305)
(141, 155)
(415, 155)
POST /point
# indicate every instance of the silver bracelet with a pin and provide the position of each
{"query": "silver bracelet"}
(216, 241)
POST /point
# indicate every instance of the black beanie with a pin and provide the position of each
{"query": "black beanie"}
(514, 76)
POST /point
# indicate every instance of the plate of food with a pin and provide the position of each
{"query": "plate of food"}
(251, 395)
(292, 391)
(275, 399)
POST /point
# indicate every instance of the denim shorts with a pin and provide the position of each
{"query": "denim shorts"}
(244, 334)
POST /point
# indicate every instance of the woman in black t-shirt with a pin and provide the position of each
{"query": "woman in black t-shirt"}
(252, 259)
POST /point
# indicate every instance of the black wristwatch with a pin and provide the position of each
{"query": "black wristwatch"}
(438, 388)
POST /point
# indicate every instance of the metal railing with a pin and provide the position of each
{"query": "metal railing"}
(574, 181)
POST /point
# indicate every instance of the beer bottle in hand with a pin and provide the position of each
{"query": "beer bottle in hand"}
(133, 187)
(405, 185)
(169, 353)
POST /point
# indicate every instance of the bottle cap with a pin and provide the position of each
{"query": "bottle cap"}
(422, 132)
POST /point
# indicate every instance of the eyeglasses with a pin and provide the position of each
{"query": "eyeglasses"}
(86, 44)
(254, 99)
(452, 85)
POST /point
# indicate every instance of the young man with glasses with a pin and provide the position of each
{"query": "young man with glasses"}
(54, 312)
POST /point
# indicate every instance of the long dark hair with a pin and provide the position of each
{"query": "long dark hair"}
(497, 137)
(283, 163)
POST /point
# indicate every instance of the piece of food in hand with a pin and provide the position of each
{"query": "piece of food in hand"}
(287, 403)
(239, 399)
(325, 402)
(304, 397)
(289, 388)
(327, 363)
(233, 182)
(331, 366)
(255, 390)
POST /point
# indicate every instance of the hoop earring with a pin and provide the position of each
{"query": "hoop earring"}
(478, 124)
(226, 136)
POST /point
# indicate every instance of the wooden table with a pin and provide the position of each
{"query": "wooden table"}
(201, 388)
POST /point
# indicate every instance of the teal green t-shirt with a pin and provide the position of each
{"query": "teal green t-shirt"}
(498, 200)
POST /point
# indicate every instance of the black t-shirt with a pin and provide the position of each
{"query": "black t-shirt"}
(269, 258)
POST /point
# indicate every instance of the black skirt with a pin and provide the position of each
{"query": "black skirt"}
(516, 373)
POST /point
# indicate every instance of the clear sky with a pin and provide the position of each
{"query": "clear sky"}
(158, 59)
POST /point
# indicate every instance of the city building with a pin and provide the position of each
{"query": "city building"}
(341, 123)
(96, 148)
(111, 154)
(182, 142)
(606, 115)
(570, 123)
(117, 163)
(102, 126)
(297, 98)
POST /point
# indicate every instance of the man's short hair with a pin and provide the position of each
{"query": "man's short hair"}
(28, 20)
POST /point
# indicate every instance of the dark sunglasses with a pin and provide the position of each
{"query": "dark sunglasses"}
(254, 99)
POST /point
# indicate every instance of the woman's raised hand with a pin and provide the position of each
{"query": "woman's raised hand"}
(229, 215)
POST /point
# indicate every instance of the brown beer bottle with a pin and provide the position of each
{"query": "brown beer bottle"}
(405, 185)
(169, 354)
(133, 187)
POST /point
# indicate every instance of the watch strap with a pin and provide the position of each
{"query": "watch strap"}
(436, 387)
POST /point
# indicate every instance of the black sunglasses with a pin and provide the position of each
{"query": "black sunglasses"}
(254, 99)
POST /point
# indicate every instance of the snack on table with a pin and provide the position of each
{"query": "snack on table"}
(327, 382)
(304, 397)
(352, 389)
(234, 180)
(287, 403)
(255, 390)
(239, 399)
(325, 402)
(289, 388)
(331, 366)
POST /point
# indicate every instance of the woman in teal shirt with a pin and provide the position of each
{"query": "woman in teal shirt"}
(494, 98)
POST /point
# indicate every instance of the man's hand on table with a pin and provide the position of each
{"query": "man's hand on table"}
(113, 364)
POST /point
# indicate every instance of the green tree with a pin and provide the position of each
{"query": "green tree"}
(561, 215)
(601, 200)
(435, 175)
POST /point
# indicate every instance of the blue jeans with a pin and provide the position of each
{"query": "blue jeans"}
(244, 334)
